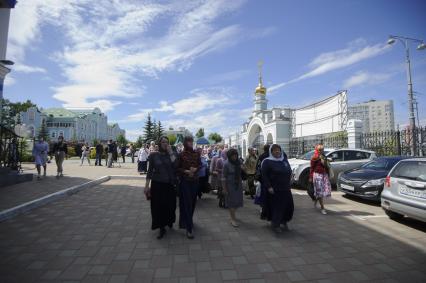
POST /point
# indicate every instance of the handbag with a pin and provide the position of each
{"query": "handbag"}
(311, 192)
(243, 175)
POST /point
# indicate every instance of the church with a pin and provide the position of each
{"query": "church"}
(265, 125)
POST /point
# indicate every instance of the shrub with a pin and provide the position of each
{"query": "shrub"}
(71, 151)
(92, 154)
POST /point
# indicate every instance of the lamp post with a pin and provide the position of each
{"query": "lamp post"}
(405, 40)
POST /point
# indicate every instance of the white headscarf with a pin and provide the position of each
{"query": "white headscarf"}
(271, 157)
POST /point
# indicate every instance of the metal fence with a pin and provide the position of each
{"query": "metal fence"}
(395, 142)
(299, 146)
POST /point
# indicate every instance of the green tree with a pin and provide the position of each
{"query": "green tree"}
(148, 129)
(139, 142)
(121, 140)
(200, 133)
(10, 111)
(95, 142)
(215, 137)
(172, 139)
(43, 132)
(159, 130)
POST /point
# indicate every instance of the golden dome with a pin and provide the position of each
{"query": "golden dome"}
(260, 89)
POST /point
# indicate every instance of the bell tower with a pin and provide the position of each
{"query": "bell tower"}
(260, 101)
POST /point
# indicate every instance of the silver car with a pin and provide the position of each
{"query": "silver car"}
(404, 193)
(340, 160)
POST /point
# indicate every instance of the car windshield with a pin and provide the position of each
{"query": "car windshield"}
(380, 164)
(308, 155)
(413, 170)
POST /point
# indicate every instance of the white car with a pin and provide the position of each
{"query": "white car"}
(340, 160)
(404, 192)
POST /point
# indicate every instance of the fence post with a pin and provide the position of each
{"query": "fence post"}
(354, 129)
(398, 142)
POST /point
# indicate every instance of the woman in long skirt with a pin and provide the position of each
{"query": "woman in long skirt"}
(319, 176)
(160, 187)
(188, 166)
(276, 177)
(232, 184)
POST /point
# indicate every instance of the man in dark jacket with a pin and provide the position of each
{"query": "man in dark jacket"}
(111, 148)
(123, 153)
(99, 152)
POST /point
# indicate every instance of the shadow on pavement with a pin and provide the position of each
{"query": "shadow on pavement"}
(103, 233)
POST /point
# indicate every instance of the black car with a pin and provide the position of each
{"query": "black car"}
(367, 181)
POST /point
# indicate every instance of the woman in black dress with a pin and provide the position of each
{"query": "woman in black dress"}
(276, 178)
(160, 187)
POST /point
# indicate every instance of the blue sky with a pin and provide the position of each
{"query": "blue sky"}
(194, 63)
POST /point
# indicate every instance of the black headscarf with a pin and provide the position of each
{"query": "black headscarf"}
(236, 163)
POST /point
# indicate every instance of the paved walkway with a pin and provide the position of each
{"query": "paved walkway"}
(74, 174)
(102, 234)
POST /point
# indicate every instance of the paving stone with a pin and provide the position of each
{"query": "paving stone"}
(109, 239)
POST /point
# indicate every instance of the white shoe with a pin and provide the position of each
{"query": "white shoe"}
(323, 211)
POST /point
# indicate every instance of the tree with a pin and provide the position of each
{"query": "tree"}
(10, 111)
(200, 133)
(159, 130)
(121, 140)
(139, 142)
(215, 137)
(172, 139)
(148, 129)
(95, 142)
(43, 132)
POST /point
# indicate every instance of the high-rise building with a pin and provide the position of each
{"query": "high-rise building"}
(376, 115)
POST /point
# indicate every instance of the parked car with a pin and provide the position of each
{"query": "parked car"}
(404, 193)
(340, 160)
(367, 181)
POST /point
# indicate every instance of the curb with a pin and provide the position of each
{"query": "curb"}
(25, 207)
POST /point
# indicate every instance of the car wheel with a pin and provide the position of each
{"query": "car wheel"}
(304, 179)
(393, 215)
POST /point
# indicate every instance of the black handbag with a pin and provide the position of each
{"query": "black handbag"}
(311, 191)
(243, 175)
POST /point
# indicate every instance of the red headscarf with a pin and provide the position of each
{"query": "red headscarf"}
(316, 155)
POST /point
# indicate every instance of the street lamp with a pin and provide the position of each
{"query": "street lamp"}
(404, 40)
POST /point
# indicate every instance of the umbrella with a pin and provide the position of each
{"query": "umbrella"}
(202, 141)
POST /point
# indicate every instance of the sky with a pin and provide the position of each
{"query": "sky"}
(194, 63)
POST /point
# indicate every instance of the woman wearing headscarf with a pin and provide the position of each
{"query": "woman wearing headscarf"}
(219, 169)
(232, 184)
(276, 178)
(319, 171)
(160, 187)
(203, 173)
(189, 163)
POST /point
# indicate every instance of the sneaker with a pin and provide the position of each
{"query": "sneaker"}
(61, 175)
(38, 177)
(234, 224)
(323, 211)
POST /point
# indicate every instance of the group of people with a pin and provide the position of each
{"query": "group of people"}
(188, 172)
(184, 172)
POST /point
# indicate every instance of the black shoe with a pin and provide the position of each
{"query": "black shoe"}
(162, 233)
(277, 230)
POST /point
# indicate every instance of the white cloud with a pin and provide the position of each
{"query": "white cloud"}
(366, 78)
(28, 69)
(330, 61)
(9, 80)
(107, 42)
(199, 100)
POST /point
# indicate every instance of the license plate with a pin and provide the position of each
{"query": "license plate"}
(412, 192)
(347, 187)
